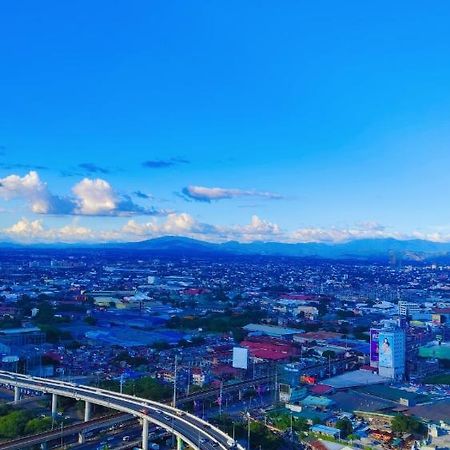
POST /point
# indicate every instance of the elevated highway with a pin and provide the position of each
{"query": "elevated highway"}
(187, 428)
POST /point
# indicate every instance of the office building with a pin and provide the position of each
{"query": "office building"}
(391, 353)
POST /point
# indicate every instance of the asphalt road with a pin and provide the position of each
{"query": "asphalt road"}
(190, 428)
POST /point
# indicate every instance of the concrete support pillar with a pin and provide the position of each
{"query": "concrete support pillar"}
(81, 438)
(54, 405)
(180, 443)
(16, 394)
(240, 394)
(87, 411)
(145, 434)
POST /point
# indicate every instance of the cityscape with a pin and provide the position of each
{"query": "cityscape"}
(224, 225)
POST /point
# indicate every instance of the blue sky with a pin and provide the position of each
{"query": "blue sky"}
(292, 121)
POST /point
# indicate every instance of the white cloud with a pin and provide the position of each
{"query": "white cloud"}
(30, 188)
(90, 197)
(175, 224)
(30, 231)
(262, 230)
(207, 194)
(260, 227)
(25, 228)
(183, 224)
(94, 197)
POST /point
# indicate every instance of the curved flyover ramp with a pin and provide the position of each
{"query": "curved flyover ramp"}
(188, 428)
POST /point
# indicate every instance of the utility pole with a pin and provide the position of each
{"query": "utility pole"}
(276, 384)
(220, 398)
(189, 378)
(174, 400)
(292, 431)
(248, 431)
(121, 383)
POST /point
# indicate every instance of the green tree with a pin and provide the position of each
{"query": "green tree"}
(283, 422)
(407, 424)
(45, 315)
(346, 427)
(160, 345)
(54, 334)
(239, 334)
(323, 307)
(344, 313)
(261, 437)
(38, 425)
(146, 387)
(90, 320)
(13, 424)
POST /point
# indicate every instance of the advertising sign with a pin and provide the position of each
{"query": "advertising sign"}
(385, 350)
(307, 379)
(374, 345)
(285, 392)
(240, 358)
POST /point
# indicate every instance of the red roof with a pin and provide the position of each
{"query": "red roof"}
(193, 291)
(54, 356)
(321, 389)
(369, 368)
(317, 445)
(267, 354)
(270, 349)
(320, 335)
(442, 310)
(225, 370)
(298, 297)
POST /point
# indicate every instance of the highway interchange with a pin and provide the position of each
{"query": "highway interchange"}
(188, 428)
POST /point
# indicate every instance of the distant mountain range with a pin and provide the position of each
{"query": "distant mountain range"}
(361, 248)
(383, 249)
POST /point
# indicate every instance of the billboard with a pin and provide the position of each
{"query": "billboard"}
(374, 337)
(308, 379)
(385, 350)
(285, 392)
(240, 358)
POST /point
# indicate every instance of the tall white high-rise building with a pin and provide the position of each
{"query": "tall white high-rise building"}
(392, 353)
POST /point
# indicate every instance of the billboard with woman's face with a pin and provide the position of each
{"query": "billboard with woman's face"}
(385, 350)
(374, 345)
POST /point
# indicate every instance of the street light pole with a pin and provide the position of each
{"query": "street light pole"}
(220, 398)
(121, 383)
(248, 431)
(62, 429)
(174, 400)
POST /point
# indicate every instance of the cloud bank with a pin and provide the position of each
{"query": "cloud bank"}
(207, 194)
(89, 197)
(183, 224)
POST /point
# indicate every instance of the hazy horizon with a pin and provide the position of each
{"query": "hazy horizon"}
(247, 122)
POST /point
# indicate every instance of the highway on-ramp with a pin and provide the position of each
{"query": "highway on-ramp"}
(188, 428)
